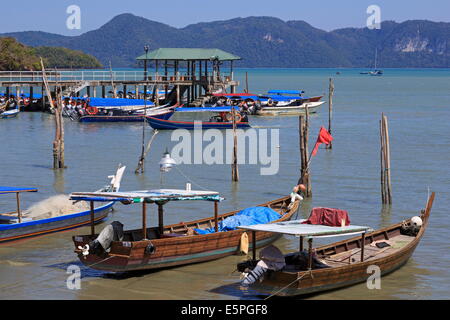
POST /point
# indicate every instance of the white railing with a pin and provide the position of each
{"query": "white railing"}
(86, 75)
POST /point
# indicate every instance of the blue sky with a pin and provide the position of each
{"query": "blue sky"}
(51, 16)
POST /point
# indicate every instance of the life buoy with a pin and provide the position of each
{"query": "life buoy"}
(229, 117)
(91, 110)
(270, 102)
(26, 101)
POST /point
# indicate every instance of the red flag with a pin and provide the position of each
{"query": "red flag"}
(324, 137)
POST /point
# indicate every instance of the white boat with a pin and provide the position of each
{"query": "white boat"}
(289, 109)
(9, 110)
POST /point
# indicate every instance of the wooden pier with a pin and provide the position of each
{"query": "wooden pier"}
(185, 75)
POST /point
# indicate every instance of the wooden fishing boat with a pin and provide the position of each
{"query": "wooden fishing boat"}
(9, 110)
(16, 226)
(342, 263)
(289, 109)
(222, 121)
(118, 115)
(171, 245)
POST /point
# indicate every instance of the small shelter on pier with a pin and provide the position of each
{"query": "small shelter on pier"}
(188, 74)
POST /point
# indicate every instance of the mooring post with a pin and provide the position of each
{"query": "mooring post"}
(304, 161)
(330, 109)
(234, 164)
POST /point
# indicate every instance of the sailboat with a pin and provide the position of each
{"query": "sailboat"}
(375, 72)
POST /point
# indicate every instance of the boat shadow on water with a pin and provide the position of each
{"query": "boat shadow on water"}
(87, 272)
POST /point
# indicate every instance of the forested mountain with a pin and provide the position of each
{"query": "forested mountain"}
(264, 42)
(17, 56)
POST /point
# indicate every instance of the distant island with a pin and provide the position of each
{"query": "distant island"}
(16, 56)
(264, 42)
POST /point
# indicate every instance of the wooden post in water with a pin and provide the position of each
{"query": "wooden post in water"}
(140, 166)
(234, 165)
(246, 82)
(385, 161)
(58, 143)
(330, 109)
(304, 161)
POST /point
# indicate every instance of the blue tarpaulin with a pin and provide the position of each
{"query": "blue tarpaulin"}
(112, 102)
(246, 217)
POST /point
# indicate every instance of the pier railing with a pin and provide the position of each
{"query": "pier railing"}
(96, 75)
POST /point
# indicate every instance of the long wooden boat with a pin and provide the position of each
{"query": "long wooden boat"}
(8, 112)
(290, 109)
(14, 226)
(172, 245)
(116, 115)
(347, 262)
(162, 124)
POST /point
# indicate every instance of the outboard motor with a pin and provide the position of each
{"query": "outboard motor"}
(112, 232)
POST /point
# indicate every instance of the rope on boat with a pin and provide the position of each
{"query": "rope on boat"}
(298, 279)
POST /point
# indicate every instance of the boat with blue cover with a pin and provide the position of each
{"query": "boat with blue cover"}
(112, 109)
(20, 224)
(275, 102)
(163, 246)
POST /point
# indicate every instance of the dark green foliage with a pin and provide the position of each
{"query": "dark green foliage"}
(66, 58)
(265, 42)
(16, 56)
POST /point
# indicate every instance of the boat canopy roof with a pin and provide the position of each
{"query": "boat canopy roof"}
(4, 190)
(285, 92)
(297, 228)
(117, 102)
(148, 196)
(207, 109)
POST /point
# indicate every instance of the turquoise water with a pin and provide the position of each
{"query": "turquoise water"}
(416, 102)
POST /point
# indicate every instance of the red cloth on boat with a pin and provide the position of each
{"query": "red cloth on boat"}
(328, 217)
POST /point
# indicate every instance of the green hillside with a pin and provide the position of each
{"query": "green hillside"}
(264, 42)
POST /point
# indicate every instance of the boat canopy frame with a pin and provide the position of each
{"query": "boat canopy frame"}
(17, 191)
(158, 196)
(299, 229)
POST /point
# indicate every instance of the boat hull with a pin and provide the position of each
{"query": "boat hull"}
(28, 229)
(161, 124)
(135, 118)
(176, 251)
(9, 114)
(290, 110)
(285, 283)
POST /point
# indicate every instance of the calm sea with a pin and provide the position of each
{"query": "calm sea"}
(416, 102)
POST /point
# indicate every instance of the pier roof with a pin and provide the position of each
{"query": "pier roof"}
(188, 54)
